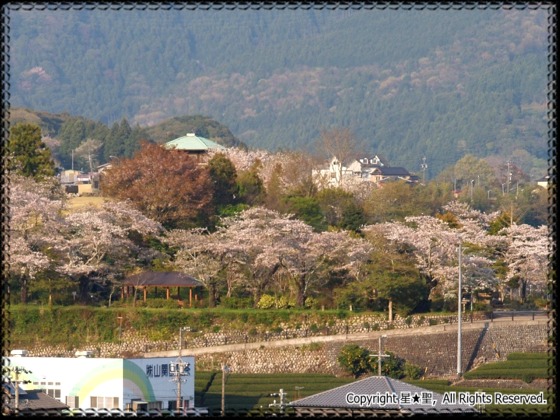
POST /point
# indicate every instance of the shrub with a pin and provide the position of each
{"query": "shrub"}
(392, 366)
(412, 371)
(354, 359)
(205, 319)
(436, 305)
(311, 303)
(482, 307)
(266, 302)
(284, 302)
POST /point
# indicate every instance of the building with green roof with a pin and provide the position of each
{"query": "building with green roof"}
(193, 144)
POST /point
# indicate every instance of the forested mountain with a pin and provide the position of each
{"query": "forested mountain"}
(409, 83)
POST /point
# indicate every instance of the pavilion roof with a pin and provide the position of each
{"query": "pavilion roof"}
(162, 278)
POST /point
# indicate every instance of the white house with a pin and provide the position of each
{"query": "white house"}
(331, 176)
(371, 169)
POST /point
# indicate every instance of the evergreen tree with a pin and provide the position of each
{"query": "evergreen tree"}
(72, 133)
(112, 147)
(132, 143)
(224, 176)
(28, 154)
(123, 135)
(251, 186)
(274, 189)
(308, 210)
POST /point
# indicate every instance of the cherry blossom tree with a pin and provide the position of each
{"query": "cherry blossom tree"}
(199, 254)
(35, 215)
(527, 258)
(104, 242)
(259, 243)
(436, 241)
(241, 246)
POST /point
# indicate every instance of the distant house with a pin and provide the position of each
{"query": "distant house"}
(69, 176)
(393, 173)
(194, 145)
(371, 169)
(78, 182)
(378, 396)
(363, 166)
(332, 175)
(543, 182)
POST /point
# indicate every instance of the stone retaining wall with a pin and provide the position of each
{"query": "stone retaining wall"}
(436, 353)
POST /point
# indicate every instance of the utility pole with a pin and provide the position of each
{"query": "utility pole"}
(120, 318)
(282, 403)
(17, 371)
(509, 174)
(178, 369)
(380, 354)
(459, 306)
(424, 166)
(225, 371)
(16, 383)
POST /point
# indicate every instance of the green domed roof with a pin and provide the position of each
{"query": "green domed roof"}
(193, 143)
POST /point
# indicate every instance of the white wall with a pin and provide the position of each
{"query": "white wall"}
(126, 379)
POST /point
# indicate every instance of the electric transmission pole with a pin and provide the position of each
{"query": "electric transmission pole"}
(423, 167)
(509, 174)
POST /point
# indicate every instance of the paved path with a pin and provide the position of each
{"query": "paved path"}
(519, 319)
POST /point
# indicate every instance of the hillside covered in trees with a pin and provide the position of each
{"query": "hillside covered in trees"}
(257, 230)
(409, 83)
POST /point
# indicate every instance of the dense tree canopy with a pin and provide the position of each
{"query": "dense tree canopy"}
(285, 241)
(258, 244)
(166, 185)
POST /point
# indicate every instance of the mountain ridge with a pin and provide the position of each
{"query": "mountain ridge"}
(409, 83)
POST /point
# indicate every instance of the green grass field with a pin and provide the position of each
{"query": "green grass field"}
(251, 392)
(245, 393)
(525, 366)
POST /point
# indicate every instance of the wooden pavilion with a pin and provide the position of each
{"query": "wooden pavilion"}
(167, 280)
